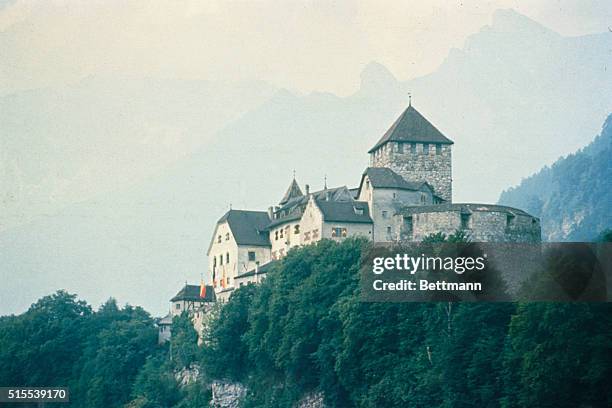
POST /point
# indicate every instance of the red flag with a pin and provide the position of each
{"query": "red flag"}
(202, 289)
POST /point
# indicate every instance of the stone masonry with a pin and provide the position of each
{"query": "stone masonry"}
(419, 162)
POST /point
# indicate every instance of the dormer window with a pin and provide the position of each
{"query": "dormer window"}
(358, 211)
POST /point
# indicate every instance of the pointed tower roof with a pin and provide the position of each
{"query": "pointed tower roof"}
(292, 192)
(411, 126)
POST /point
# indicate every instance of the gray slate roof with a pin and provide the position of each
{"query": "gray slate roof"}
(248, 226)
(292, 192)
(293, 208)
(165, 321)
(465, 208)
(382, 177)
(344, 211)
(411, 126)
(192, 293)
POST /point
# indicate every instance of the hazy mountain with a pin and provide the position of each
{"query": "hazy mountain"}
(68, 144)
(516, 97)
(573, 197)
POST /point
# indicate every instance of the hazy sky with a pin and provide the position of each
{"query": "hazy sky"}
(305, 46)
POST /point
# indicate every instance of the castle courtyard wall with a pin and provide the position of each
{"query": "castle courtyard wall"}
(483, 226)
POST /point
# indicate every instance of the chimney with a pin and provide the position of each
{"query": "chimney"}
(307, 189)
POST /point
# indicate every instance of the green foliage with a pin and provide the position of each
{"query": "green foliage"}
(605, 236)
(305, 329)
(457, 237)
(60, 341)
(41, 346)
(184, 350)
(558, 355)
(155, 385)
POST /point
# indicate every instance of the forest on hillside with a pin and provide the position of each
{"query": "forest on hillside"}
(304, 330)
(573, 196)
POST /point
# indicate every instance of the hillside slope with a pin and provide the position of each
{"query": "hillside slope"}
(573, 197)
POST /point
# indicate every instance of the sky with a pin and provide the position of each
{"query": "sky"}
(89, 129)
(303, 46)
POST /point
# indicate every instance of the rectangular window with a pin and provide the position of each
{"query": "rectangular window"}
(388, 230)
(281, 233)
(339, 232)
(510, 220)
(276, 235)
(307, 236)
(315, 234)
(296, 229)
(178, 306)
(408, 226)
(425, 148)
(220, 259)
(413, 148)
(438, 149)
(219, 239)
(385, 214)
(251, 256)
(465, 221)
(400, 147)
(227, 258)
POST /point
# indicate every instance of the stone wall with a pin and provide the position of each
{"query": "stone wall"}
(484, 225)
(416, 165)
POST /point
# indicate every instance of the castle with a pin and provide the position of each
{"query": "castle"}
(404, 195)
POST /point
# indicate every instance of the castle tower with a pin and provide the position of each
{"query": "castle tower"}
(415, 149)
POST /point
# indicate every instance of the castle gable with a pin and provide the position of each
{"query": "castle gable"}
(247, 227)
